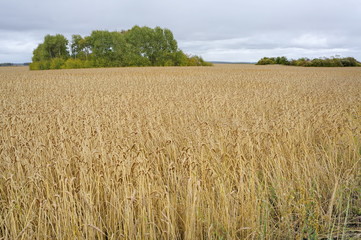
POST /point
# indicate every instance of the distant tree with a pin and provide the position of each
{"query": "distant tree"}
(266, 61)
(157, 45)
(282, 60)
(316, 62)
(56, 46)
(80, 47)
(139, 46)
(6, 64)
(52, 47)
(350, 62)
(101, 43)
(40, 54)
(163, 46)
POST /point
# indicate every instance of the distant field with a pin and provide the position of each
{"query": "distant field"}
(223, 152)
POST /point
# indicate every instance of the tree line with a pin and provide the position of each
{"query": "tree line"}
(13, 64)
(316, 62)
(139, 46)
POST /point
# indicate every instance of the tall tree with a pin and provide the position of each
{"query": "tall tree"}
(76, 46)
(139, 46)
(101, 43)
(157, 45)
(56, 46)
(80, 47)
(40, 54)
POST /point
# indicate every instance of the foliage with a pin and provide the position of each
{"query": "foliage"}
(266, 61)
(40, 65)
(77, 63)
(196, 61)
(139, 46)
(56, 63)
(278, 60)
(317, 62)
(53, 47)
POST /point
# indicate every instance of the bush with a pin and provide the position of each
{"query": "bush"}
(73, 63)
(57, 63)
(350, 62)
(317, 62)
(197, 61)
(282, 60)
(34, 66)
(41, 65)
(266, 61)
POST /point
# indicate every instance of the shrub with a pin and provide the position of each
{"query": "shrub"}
(56, 63)
(266, 61)
(73, 63)
(306, 62)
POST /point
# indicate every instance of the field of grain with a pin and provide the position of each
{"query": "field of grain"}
(223, 152)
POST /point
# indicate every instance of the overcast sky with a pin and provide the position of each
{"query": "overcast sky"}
(225, 30)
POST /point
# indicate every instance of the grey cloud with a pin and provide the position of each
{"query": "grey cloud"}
(217, 30)
(254, 55)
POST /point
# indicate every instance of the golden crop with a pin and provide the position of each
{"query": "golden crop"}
(223, 152)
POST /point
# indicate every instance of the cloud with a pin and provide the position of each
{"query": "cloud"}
(17, 46)
(217, 30)
(270, 44)
(310, 40)
(253, 55)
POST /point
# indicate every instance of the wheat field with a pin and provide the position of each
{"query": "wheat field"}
(223, 152)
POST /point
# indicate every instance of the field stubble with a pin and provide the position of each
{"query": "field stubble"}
(223, 152)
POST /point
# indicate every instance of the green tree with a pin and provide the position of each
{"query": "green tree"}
(139, 40)
(139, 46)
(180, 58)
(101, 43)
(349, 62)
(157, 45)
(163, 45)
(52, 47)
(266, 61)
(80, 47)
(282, 60)
(316, 62)
(40, 54)
(56, 46)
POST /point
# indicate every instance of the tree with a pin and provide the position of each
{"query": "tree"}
(76, 45)
(157, 45)
(349, 62)
(266, 61)
(180, 58)
(316, 62)
(56, 46)
(53, 47)
(40, 54)
(139, 46)
(140, 42)
(80, 47)
(101, 43)
(282, 60)
(163, 45)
